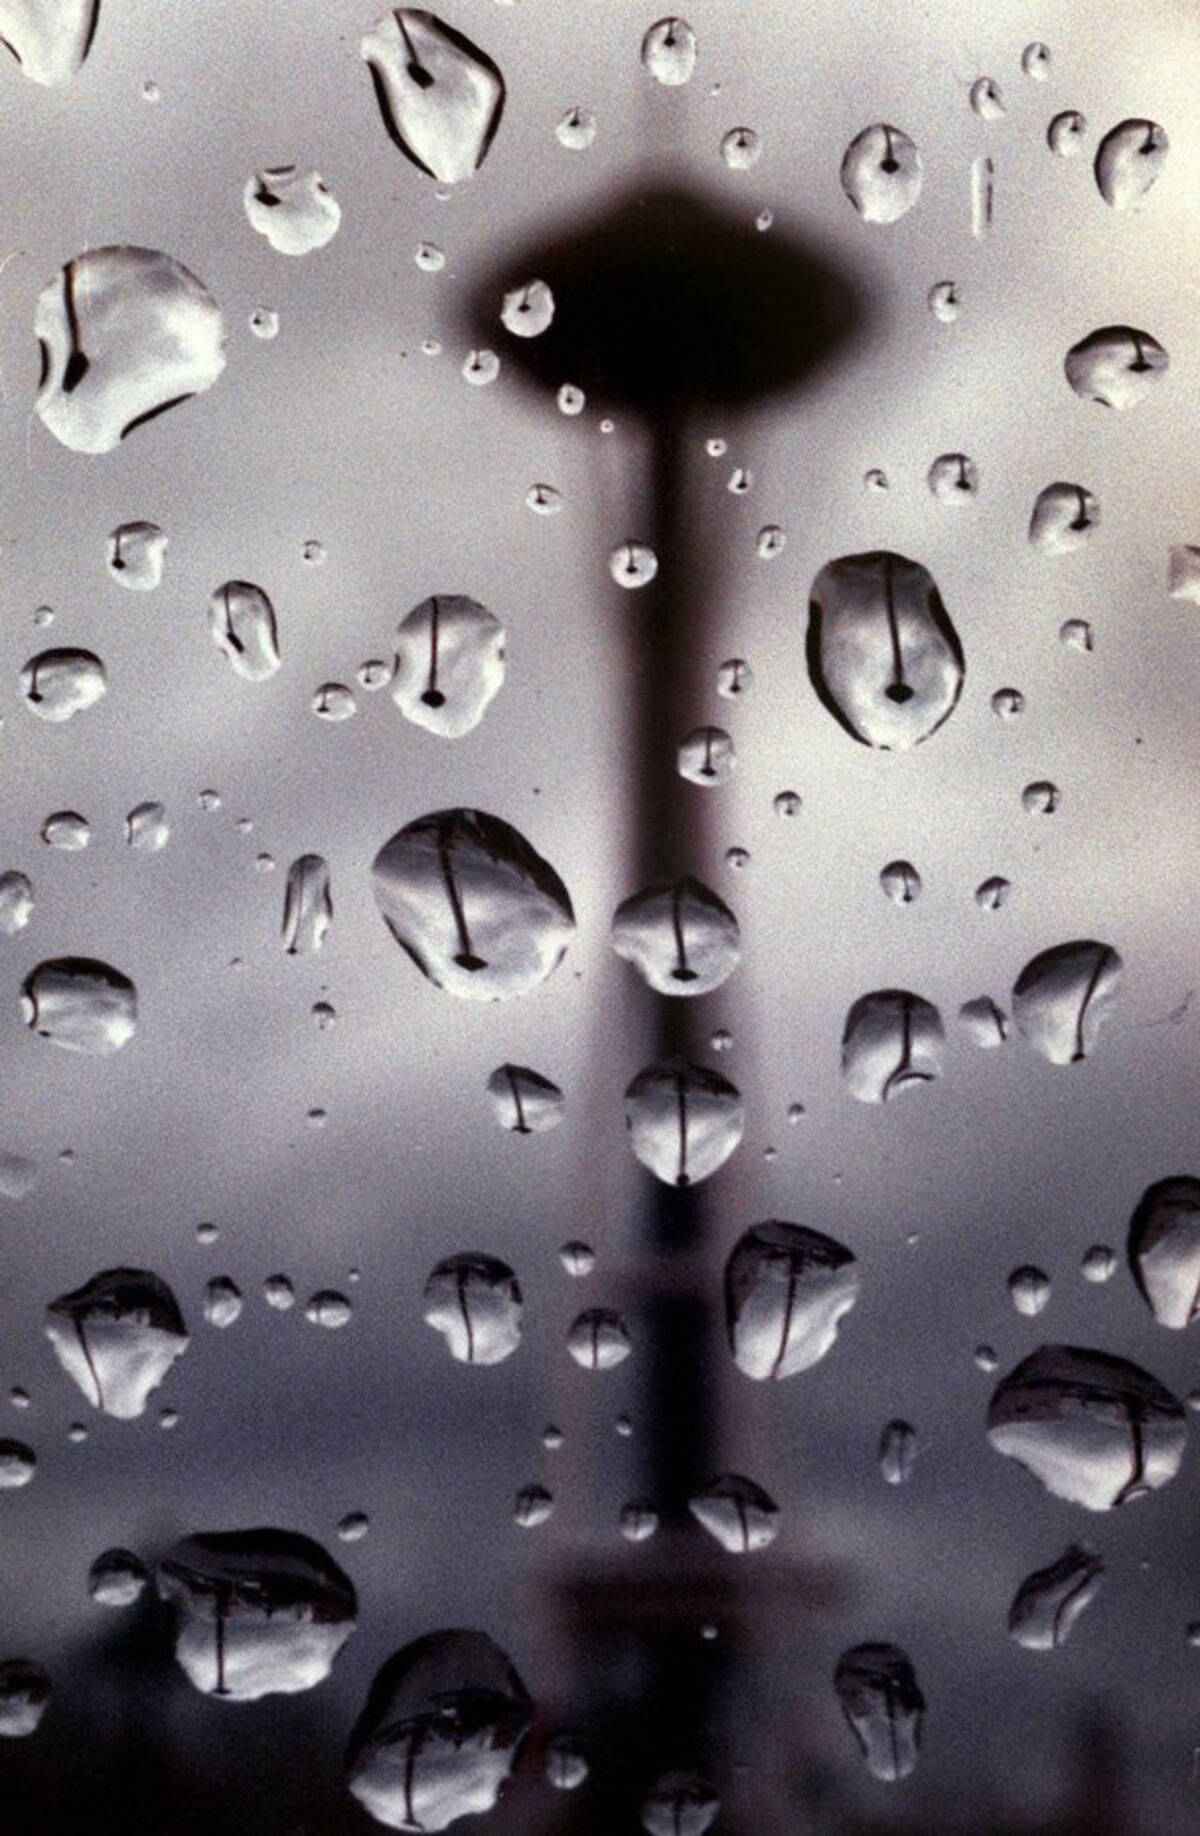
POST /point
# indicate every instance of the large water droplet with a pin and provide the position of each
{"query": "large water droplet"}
(478, 911)
(475, 1302)
(892, 1043)
(598, 1339)
(440, 96)
(1064, 516)
(1129, 160)
(449, 664)
(679, 935)
(24, 1693)
(737, 1513)
(293, 208)
(528, 310)
(58, 684)
(684, 1121)
(440, 1733)
(707, 756)
(329, 1309)
(117, 1338)
(1115, 366)
(882, 653)
(18, 1463)
(49, 39)
(525, 1102)
(881, 173)
(786, 1290)
(1063, 996)
(81, 1005)
(1049, 1601)
(16, 902)
(897, 1452)
(1065, 133)
(680, 1804)
(258, 1612)
(1094, 1429)
(1164, 1249)
(669, 52)
(883, 1705)
(241, 620)
(125, 333)
(307, 905)
(67, 830)
(117, 1578)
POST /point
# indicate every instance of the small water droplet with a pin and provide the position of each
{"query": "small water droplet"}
(577, 1258)
(680, 1804)
(293, 208)
(333, 701)
(942, 300)
(633, 564)
(279, 1293)
(147, 829)
(1064, 518)
(1041, 798)
(576, 130)
(24, 1693)
(983, 196)
(876, 479)
(264, 323)
(740, 481)
(67, 830)
(135, 554)
(598, 1339)
(222, 1301)
(307, 906)
(741, 148)
(900, 882)
(639, 1521)
(1115, 366)
(1065, 133)
(525, 1102)
(117, 1338)
(1164, 1249)
(707, 756)
(16, 902)
(571, 399)
(528, 310)
(881, 173)
(1129, 160)
(734, 678)
(953, 478)
(566, 1762)
(353, 1526)
(1099, 1263)
(543, 500)
(534, 1505)
(897, 1452)
(117, 1578)
(429, 258)
(984, 1023)
(1063, 996)
(241, 621)
(786, 803)
(737, 1513)
(680, 936)
(1076, 634)
(986, 99)
(1029, 1290)
(18, 1464)
(985, 1358)
(992, 894)
(769, 542)
(480, 368)
(58, 684)
(1035, 61)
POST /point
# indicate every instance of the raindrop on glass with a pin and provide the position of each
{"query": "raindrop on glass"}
(1029, 1290)
(881, 173)
(879, 1696)
(576, 130)
(639, 1521)
(735, 678)
(571, 400)
(1049, 1601)
(147, 829)
(528, 311)
(680, 1804)
(942, 300)
(279, 1293)
(333, 701)
(770, 541)
(307, 905)
(534, 1505)
(264, 323)
(135, 554)
(439, 95)
(474, 1301)
(953, 478)
(566, 1762)
(525, 1102)
(1164, 1249)
(1041, 798)
(117, 1338)
(117, 1578)
(329, 1309)
(1129, 160)
(18, 1464)
(16, 902)
(1076, 634)
(669, 52)
(24, 1693)
(1065, 133)
(786, 1291)
(992, 894)
(1064, 516)
(49, 39)
(222, 1301)
(598, 1339)
(786, 803)
(892, 1043)
(81, 1005)
(741, 148)
(577, 1258)
(897, 1452)
(58, 684)
(67, 830)
(986, 99)
(293, 208)
(680, 936)
(1035, 61)
(707, 756)
(633, 564)
(739, 1514)
(543, 500)
(241, 622)
(1063, 996)
(480, 368)
(983, 1022)
(900, 882)
(684, 1121)
(353, 1526)
(1099, 1263)
(1115, 366)
(1007, 703)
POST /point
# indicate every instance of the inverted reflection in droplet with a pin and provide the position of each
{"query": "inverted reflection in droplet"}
(241, 622)
(293, 208)
(440, 96)
(1164, 1249)
(81, 1005)
(787, 1289)
(881, 173)
(1050, 1601)
(525, 1102)
(737, 1513)
(892, 1043)
(475, 1302)
(680, 936)
(117, 1338)
(669, 52)
(878, 1694)
(1063, 996)
(684, 1121)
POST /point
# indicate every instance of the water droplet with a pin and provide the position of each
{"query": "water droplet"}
(552, 1438)
(883, 656)
(1035, 61)
(881, 173)
(135, 554)
(534, 1505)
(633, 564)
(264, 863)
(264, 323)
(680, 1804)
(81, 1005)
(117, 1338)
(577, 1258)
(440, 1732)
(892, 1043)
(737, 1513)
(222, 1301)
(475, 365)
(1049, 1601)
(77, 1433)
(543, 500)
(279, 1293)
(796, 1113)
(741, 148)
(900, 882)
(953, 478)
(770, 541)
(1095, 1430)
(571, 400)
(684, 1121)
(58, 684)
(1076, 634)
(639, 1521)
(1065, 133)
(786, 803)
(986, 99)
(439, 95)
(897, 1452)
(879, 1696)
(66, 829)
(983, 196)
(721, 1040)
(257, 1612)
(1183, 572)
(24, 1693)
(333, 701)
(715, 448)
(117, 1578)
(566, 1762)
(1129, 160)
(942, 300)
(241, 621)
(764, 219)
(528, 311)
(480, 368)
(18, 1464)
(707, 756)
(475, 1302)
(353, 1526)
(1007, 703)
(1029, 1290)
(307, 905)
(16, 902)
(146, 828)
(293, 208)
(1064, 517)
(1115, 366)
(525, 1102)
(329, 1309)
(740, 481)
(669, 52)
(786, 1290)
(993, 893)
(1099, 1263)
(598, 1339)
(125, 334)
(1041, 798)
(735, 678)
(986, 1358)
(207, 1233)
(681, 938)
(1063, 996)
(876, 479)
(209, 800)
(18, 1175)
(478, 911)
(984, 1023)
(576, 130)
(49, 39)
(1164, 1249)
(313, 553)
